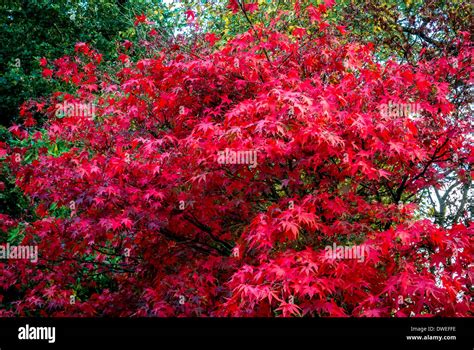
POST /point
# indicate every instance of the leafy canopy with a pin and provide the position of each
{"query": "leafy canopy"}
(136, 215)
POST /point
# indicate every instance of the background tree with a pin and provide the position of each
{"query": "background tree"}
(41, 29)
(34, 29)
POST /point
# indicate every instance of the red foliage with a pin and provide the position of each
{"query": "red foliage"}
(159, 226)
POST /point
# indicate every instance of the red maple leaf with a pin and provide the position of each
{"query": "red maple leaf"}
(140, 19)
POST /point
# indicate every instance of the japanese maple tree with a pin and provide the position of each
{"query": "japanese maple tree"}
(135, 214)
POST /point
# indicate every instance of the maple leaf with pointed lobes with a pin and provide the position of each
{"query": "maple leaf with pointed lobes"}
(251, 7)
(384, 173)
(299, 32)
(211, 38)
(190, 15)
(289, 309)
(397, 147)
(47, 73)
(310, 268)
(391, 286)
(206, 126)
(403, 236)
(377, 312)
(127, 222)
(105, 223)
(140, 19)
(291, 228)
(314, 13)
(335, 310)
(153, 193)
(156, 170)
(308, 219)
(233, 5)
(99, 201)
(51, 292)
(341, 29)
(3, 152)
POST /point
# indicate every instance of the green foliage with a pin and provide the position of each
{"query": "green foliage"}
(41, 28)
(12, 200)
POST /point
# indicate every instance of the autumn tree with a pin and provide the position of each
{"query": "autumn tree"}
(210, 181)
